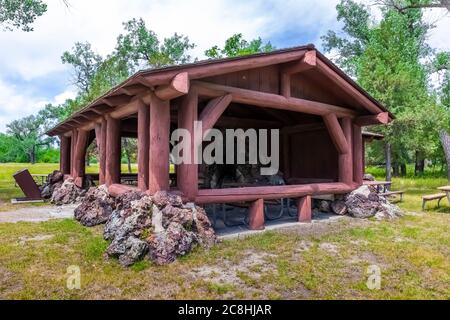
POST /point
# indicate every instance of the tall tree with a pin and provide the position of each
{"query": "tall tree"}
(85, 63)
(141, 48)
(385, 57)
(236, 45)
(15, 14)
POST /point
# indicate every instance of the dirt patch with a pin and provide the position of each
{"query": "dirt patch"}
(39, 237)
(9, 283)
(329, 247)
(37, 214)
(252, 265)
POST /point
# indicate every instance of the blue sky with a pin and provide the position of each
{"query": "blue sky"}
(31, 72)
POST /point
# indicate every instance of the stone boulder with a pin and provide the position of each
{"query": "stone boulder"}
(67, 193)
(365, 203)
(54, 180)
(339, 207)
(96, 207)
(159, 226)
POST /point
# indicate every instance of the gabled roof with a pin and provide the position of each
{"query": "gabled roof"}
(152, 78)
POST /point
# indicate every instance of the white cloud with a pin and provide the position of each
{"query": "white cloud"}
(28, 58)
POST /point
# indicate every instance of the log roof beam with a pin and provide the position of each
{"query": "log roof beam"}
(177, 87)
(270, 100)
(380, 118)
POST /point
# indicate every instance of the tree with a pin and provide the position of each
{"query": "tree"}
(140, 47)
(29, 133)
(385, 57)
(85, 63)
(237, 46)
(21, 14)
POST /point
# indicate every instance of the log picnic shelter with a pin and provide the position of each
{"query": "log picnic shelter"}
(319, 110)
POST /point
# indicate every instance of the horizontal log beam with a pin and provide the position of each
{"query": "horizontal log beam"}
(230, 195)
(178, 87)
(208, 69)
(116, 189)
(269, 100)
(380, 118)
(336, 133)
(213, 110)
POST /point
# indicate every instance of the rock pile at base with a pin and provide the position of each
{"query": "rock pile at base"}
(96, 207)
(363, 202)
(54, 181)
(159, 227)
(67, 193)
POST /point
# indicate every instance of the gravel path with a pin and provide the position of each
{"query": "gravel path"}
(37, 214)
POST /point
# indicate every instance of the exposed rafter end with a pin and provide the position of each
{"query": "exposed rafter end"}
(308, 61)
(178, 87)
(380, 118)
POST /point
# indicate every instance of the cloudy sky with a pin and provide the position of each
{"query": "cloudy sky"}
(32, 75)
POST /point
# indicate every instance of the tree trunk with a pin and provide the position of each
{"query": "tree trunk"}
(420, 163)
(127, 154)
(33, 155)
(395, 169)
(387, 149)
(445, 141)
(403, 170)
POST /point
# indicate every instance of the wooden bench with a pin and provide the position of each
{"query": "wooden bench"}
(393, 193)
(430, 197)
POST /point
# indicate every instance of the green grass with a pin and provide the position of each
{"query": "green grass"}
(413, 254)
(8, 190)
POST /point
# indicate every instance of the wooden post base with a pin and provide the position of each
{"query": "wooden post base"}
(304, 209)
(256, 215)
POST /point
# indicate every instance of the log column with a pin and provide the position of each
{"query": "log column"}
(80, 156)
(113, 148)
(187, 174)
(143, 145)
(346, 159)
(304, 211)
(158, 168)
(100, 137)
(73, 147)
(64, 158)
(358, 155)
(256, 215)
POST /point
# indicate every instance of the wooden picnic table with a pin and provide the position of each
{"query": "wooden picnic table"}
(380, 185)
(446, 189)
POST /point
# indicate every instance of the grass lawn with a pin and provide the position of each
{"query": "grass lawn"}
(316, 261)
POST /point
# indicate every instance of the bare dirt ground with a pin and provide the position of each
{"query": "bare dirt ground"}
(37, 214)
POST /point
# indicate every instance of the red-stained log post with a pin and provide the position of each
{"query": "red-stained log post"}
(73, 148)
(304, 210)
(80, 156)
(256, 215)
(143, 137)
(187, 174)
(113, 148)
(64, 160)
(358, 156)
(346, 159)
(102, 151)
(158, 170)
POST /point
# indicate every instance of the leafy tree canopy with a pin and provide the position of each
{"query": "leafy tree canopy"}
(15, 14)
(236, 45)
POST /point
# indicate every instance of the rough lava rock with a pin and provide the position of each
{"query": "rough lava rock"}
(365, 203)
(338, 207)
(160, 226)
(96, 207)
(67, 193)
(54, 180)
